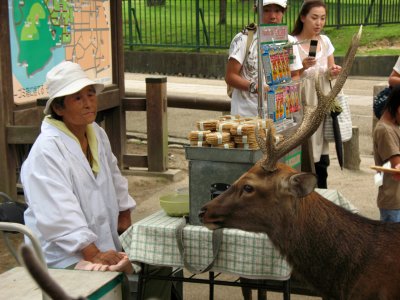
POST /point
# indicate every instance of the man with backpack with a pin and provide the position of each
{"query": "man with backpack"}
(242, 69)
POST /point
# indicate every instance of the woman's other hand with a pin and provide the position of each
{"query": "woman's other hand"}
(308, 62)
(335, 70)
(124, 265)
(109, 257)
(93, 254)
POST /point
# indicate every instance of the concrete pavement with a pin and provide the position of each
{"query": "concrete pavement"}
(360, 88)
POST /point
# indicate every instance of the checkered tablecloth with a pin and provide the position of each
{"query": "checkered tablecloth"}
(153, 241)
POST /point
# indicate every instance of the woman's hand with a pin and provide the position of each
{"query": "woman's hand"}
(334, 71)
(93, 254)
(124, 265)
(109, 257)
(308, 62)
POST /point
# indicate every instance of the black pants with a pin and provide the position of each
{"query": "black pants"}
(321, 169)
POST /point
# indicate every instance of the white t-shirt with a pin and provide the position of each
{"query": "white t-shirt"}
(243, 102)
(397, 66)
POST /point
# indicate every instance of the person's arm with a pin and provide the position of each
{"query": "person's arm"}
(387, 147)
(395, 161)
(124, 221)
(125, 201)
(233, 77)
(394, 78)
(93, 254)
(296, 67)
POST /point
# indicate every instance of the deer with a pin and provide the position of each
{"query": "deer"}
(341, 255)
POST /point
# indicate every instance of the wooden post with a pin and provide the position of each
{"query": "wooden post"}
(8, 163)
(157, 125)
(351, 151)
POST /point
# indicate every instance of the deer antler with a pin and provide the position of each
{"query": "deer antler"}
(313, 116)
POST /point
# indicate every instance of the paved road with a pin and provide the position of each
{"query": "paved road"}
(360, 88)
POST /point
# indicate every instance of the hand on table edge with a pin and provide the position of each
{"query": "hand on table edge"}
(124, 265)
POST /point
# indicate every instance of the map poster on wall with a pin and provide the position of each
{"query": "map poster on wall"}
(44, 33)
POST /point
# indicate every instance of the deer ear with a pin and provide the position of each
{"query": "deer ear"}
(302, 184)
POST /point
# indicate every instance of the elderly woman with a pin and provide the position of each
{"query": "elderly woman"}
(78, 200)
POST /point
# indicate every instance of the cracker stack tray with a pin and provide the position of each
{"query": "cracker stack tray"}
(230, 132)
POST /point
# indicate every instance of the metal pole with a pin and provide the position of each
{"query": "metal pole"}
(261, 111)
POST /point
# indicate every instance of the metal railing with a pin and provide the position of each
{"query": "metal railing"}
(198, 24)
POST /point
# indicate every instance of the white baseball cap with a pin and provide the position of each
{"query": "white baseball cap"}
(282, 3)
(67, 78)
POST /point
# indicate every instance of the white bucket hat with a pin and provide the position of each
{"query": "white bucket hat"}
(282, 3)
(67, 78)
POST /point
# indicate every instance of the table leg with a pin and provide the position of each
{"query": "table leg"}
(261, 294)
(140, 288)
(286, 290)
(211, 284)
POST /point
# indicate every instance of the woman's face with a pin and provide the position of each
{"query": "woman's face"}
(80, 108)
(272, 14)
(314, 21)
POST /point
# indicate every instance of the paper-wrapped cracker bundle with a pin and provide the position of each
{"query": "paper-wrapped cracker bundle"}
(198, 135)
(218, 138)
(207, 125)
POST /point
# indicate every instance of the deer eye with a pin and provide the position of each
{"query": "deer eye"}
(248, 188)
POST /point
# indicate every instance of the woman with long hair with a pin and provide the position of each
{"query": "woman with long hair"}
(319, 61)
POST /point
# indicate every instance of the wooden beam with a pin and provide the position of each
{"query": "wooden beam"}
(108, 99)
(134, 104)
(182, 101)
(17, 135)
(131, 160)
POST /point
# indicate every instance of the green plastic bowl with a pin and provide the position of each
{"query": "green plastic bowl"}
(175, 205)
